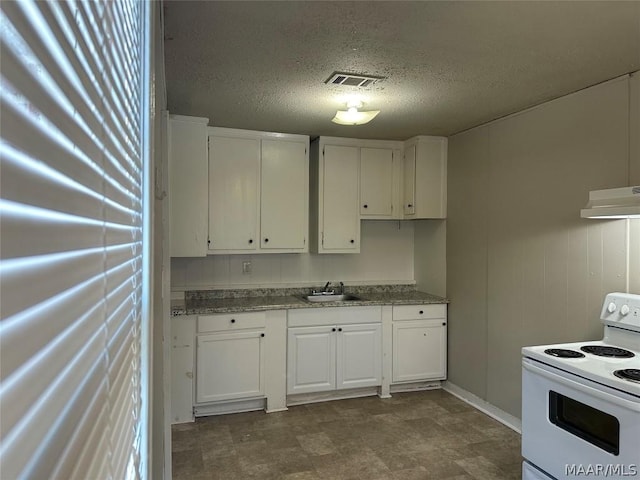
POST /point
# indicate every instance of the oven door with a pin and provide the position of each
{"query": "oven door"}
(529, 472)
(574, 427)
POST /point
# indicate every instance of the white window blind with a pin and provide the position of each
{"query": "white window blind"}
(73, 244)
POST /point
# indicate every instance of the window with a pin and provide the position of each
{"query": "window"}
(74, 247)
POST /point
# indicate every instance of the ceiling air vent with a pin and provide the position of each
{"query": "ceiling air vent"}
(352, 79)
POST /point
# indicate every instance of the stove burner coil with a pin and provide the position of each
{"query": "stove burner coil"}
(563, 353)
(606, 351)
(632, 374)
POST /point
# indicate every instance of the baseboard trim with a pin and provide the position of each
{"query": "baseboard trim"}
(415, 386)
(503, 417)
(229, 406)
(304, 398)
(275, 410)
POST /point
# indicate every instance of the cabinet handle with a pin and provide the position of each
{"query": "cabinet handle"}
(421, 312)
(366, 206)
(251, 240)
(352, 241)
(266, 240)
(262, 334)
(233, 320)
(333, 329)
(339, 329)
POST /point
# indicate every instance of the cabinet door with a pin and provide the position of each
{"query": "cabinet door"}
(311, 359)
(284, 200)
(229, 366)
(359, 361)
(188, 189)
(409, 181)
(234, 168)
(376, 181)
(419, 350)
(340, 212)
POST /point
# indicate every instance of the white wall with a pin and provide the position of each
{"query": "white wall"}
(522, 267)
(386, 256)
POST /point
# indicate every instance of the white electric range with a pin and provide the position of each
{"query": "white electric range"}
(581, 401)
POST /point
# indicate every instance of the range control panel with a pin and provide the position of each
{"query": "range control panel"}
(622, 310)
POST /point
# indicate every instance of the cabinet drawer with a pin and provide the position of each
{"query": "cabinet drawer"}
(309, 317)
(230, 321)
(417, 312)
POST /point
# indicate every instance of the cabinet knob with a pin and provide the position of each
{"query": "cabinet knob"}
(208, 242)
(421, 312)
(339, 329)
(366, 206)
(333, 329)
(352, 241)
(266, 240)
(262, 334)
(410, 205)
(443, 324)
(233, 320)
(251, 240)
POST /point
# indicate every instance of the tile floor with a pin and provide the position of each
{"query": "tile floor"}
(418, 435)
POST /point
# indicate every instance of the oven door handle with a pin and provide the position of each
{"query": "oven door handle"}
(607, 397)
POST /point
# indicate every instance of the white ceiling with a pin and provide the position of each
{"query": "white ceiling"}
(449, 66)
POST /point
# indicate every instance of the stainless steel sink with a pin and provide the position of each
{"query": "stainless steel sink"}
(331, 298)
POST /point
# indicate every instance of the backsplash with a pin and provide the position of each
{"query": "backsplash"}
(386, 257)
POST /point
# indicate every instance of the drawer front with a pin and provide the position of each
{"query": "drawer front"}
(418, 312)
(310, 317)
(225, 322)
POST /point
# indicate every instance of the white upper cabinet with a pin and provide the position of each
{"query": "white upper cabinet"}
(352, 179)
(376, 182)
(339, 222)
(409, 181)
(258, 192)
(425, 178)
(187, 152)
(234, 170)
(284, 195)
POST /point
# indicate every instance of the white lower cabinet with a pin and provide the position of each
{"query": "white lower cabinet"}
(230, 357)
(311, 359)
(419, 343)
(345, 354)
(359, 356)
(242, 355)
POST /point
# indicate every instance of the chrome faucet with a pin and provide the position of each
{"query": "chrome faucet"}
(324, 291)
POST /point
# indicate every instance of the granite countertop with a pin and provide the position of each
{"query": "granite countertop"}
(202, 302)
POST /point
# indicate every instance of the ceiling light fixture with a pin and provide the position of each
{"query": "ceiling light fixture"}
(352, 116)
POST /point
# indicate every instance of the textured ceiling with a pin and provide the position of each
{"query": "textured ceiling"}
(449, 66)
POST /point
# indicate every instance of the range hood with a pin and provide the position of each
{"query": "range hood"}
(613, 203)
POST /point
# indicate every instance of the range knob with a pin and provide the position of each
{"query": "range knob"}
(624, 310)
(611, 307)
